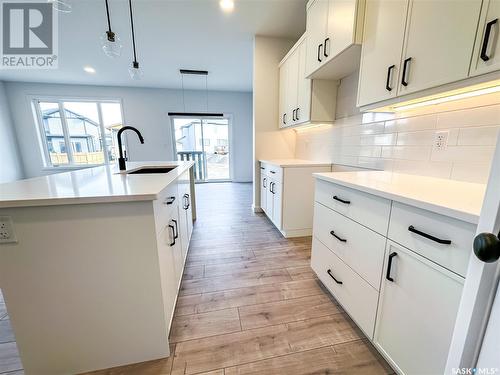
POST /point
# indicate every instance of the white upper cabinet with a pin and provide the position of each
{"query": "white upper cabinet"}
(303, 100)
(438, 43)
(487, 47)
(334, 29)
(381, 54)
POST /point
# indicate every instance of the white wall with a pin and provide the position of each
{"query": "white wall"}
(144, 108)
(269, 142)
(10, 167)
(403, 142)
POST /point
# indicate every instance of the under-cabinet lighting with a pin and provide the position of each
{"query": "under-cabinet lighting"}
(464, 93)
(89, 69)
(312, 126)
(226, 5)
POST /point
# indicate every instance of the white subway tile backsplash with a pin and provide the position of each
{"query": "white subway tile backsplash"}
(404, 142)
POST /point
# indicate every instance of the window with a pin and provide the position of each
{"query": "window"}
(78, 132)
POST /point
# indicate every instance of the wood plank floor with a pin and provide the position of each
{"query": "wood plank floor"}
(250, 304)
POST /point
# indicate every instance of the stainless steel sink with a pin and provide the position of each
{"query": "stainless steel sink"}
(151, 170)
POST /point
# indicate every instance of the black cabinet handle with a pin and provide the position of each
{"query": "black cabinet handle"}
(262, 168)
(297, 114)
(186, 197)
(173, 234)
(327, 40)
(264, 180)
(341, 200)
(169, 200)
(486, 40)
(284, 118)
(389, 267)
(388, 81)
(273, 172)
(404, 82)
(319, 52)
(176, 233)
(329, 272)
(337, 237)
(412, 229)
(271, 188)
(293, 115)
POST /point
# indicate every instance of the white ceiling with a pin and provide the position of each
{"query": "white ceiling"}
(170, 34)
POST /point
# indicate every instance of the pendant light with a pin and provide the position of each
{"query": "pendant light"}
(135, 70)
(61, 6)
(110, 42)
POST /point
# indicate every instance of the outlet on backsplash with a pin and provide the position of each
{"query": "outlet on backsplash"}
(441, 140)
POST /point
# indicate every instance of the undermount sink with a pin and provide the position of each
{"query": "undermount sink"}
(152, 170)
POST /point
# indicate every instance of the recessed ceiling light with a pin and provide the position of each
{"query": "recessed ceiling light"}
(89, 69)
(226, 5)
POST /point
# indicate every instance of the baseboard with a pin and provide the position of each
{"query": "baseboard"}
(257, 209)
(296, 233)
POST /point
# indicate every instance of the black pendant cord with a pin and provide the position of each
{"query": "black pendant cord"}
(111, 34)
(135, 62)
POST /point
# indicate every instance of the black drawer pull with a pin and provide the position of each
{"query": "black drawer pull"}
(329, 272)
(273, 172)
(389, 267)
(264, 182)
(388, 81)
(169, 200)
(337, 237)
(263, 168)
(404, 81)
(412, 229)
(486, 40)
(341, 200)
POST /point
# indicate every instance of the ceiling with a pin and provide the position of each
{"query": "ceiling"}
(170, 34)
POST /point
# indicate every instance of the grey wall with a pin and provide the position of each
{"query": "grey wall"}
(10, 167)
(144, 108)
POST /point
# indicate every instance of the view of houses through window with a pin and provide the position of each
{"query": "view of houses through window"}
(79, 132)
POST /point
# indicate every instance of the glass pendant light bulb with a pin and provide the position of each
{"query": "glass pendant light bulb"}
(61, 6)
(111, 44)
(135, 71)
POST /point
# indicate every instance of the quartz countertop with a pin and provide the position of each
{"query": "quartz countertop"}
(284, 163)
(460, 200)
(103, 184)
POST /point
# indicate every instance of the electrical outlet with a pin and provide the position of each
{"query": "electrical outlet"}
(441, 140)
(7, 234)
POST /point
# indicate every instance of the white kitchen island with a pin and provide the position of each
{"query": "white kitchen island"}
(93, 267)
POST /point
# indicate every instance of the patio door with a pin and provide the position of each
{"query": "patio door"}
(206, 141)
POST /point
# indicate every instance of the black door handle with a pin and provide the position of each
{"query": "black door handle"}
(341, 200)
(487, 247)
(271, 188)
(186, 196)
(412, 229)
(176, 233)
(388, 81)
(404, 81)
(297, 114)
(389, 267)
(329, 272)
(327, 40)
(337, 237)
(319, 52)
(173, 234)
(284, 118)
(293, 115)
(486, 40)
(264, 181)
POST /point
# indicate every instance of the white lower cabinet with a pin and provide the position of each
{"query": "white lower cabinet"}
(417, 310)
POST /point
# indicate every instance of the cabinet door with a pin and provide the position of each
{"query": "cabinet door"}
(263, 192)
(417, 312)
(487, 48)
(317, 18)
(303, 113)
(167, 273)
(341, 23)
(277, 209)
(292, 85)
(283, 119)
(381, 52)
(269, 199)
(438, 43)
(175, 245)
(189, 217)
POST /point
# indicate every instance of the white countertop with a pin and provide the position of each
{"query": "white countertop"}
(290, 163)
(90, 185)
(460, 200)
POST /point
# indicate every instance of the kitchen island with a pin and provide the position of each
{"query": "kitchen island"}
(92, 264)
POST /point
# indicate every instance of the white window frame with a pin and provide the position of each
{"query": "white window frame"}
(47, 163)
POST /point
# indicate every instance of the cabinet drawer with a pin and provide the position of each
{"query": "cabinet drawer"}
(359, 247)
(162, 206)
(366, 209)
(274, 172)
(355, 295)
(454, 256)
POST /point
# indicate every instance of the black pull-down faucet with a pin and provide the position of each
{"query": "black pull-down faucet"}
(121, 159)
